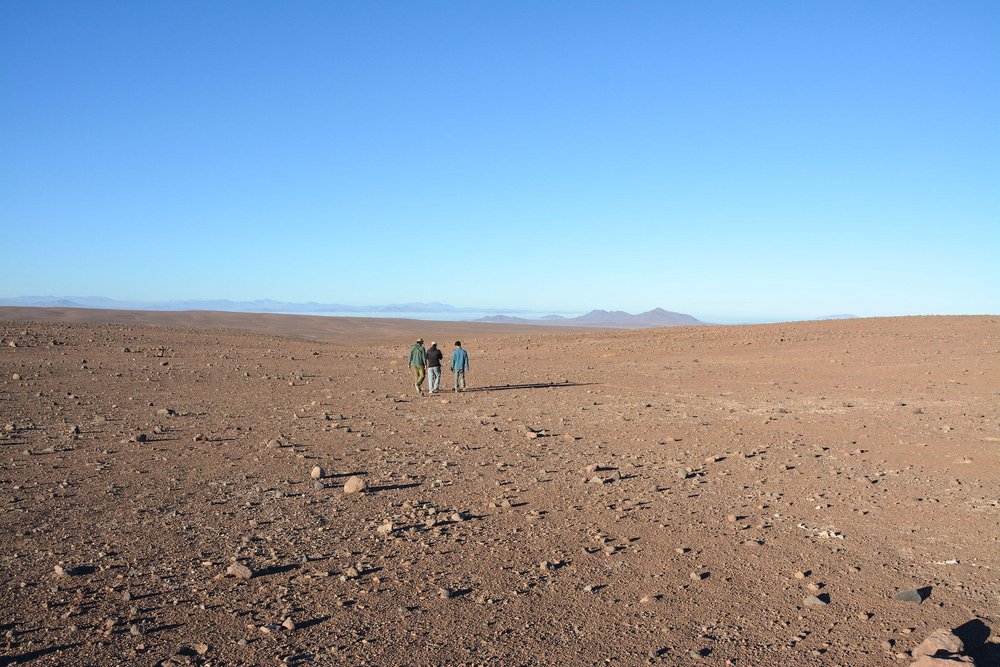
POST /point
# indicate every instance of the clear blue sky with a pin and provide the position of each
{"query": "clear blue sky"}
(732, 160)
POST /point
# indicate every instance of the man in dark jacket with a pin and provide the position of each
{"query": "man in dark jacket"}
(434, 357)
(418, 360)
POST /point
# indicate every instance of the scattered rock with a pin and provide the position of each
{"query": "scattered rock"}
(941, 649)
(317, 472)
(912, 595)
(355, 484)
(239, 571)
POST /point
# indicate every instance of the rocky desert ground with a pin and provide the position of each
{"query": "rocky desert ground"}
(263, 490)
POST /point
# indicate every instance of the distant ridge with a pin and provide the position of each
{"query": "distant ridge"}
(608, 319)
(613, 319)
(256, 306)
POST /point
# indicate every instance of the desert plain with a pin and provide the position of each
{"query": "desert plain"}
(172, 491)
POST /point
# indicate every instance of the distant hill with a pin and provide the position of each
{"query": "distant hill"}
(838, 317)
(613, 319)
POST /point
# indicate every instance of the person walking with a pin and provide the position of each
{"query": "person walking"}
(418, 361)
(459, 364)
(434, 357)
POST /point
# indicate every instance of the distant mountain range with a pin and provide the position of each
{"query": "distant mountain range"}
(257, 306)
(613, 319)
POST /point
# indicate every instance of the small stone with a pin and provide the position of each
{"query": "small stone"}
(273, 443)
(592, 468)
(352, 573)
(698, 576)
(317, 473)
(596, 479)
(444, 593)
(288, 624)
(800, 575)
(385, 528)
(318, 485)
(166, 412)
(239, 571)
(201, 649)
(355, 484)
(15, 377)
(814, 601)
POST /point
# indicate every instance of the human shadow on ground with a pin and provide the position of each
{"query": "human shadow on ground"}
(534, 385)
(31, 655)
(974, 634)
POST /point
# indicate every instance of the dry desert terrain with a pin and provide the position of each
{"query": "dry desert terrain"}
(172, 491)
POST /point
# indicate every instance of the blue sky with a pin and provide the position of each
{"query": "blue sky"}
(733, 160)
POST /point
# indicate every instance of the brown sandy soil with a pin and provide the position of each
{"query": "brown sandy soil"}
(743, 470)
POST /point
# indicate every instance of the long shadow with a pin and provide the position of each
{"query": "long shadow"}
(391, 487)
(164, 628)
(31, 655)
(332, 475)
(275, 569)
(974, 634)
(536, 385)
(311, 622)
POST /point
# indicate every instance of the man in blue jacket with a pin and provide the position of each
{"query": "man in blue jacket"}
(459, 364)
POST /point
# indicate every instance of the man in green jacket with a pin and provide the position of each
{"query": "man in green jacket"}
(418, 362)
